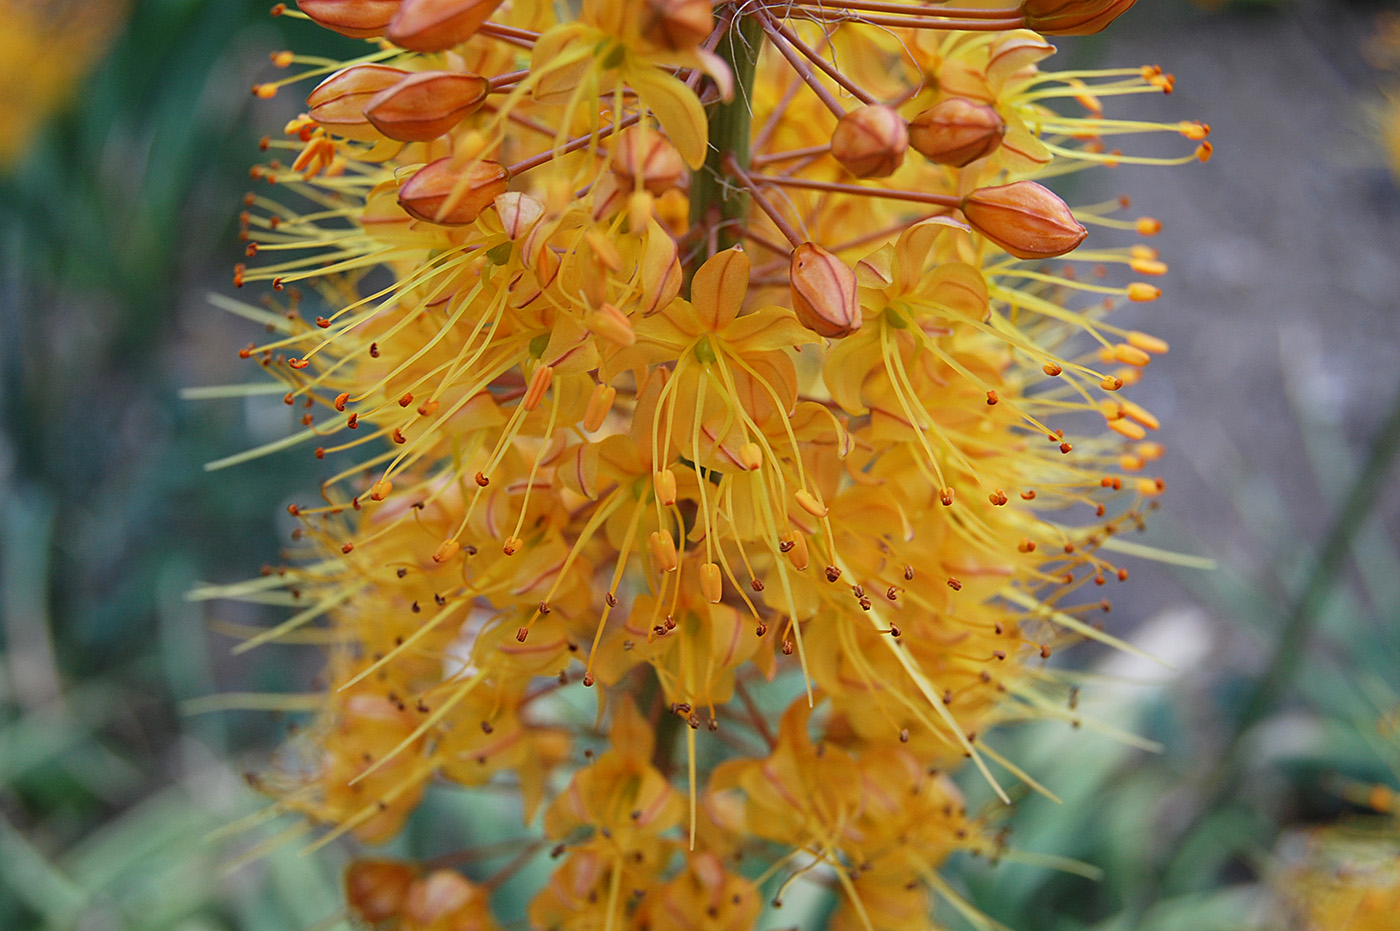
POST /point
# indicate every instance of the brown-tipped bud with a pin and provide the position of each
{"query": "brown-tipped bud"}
(824, 292)
(1072, 17)
(956, 131)
(1025, 219)
(375, 890)
(426, 105)
(677, 25)
(711, 586)
(641, 155)
(435, 25)
(663, 550)
(475, 185)
(518, 212)
(338, 102)
(870, 142)
(358, 19)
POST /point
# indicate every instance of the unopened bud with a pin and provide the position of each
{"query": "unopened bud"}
(1025, 219)
(338, 102)
(1072, 17)
(824, 292)
(677, 25)
(358, 19)
(467, 189)
(426, 105)
(663, 550)
(642, 155)
(518, 212)
(870, 141)
(956, 131)
(435, 25)
(375, 890)
(445, 899)
(711, 585)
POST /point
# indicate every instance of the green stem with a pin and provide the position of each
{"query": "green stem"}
(715, 202)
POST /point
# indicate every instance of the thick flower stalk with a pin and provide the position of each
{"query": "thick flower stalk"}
(701, 355)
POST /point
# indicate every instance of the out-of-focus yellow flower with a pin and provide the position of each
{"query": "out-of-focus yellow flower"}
(47, 47)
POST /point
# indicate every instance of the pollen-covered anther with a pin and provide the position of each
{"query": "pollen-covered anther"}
(870, 141)
(600, 402)
(1142, 292)
(645, 158)
(381, 489)
(1053, 369)
(1130, 355)
(992, 398)
(1148, 266)
(446, 550)
(664, 483)
(749, 456)
(945, 497)
(448, 194)
(795, 546)
(512, 546)
(824, 292)
(1024, 218)
(1027, 545)
(427, 104)
(810, 504)
(711, 586)
(956, 131)
(1147, 226)
(611, 324)
(954, 584)
(540, 381)
(663, 550)
(435, 25)
(998, 498)
(1111, 383)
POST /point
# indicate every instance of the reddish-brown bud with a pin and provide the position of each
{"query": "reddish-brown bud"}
(338, 102)
(1025, 219)
(643, 155)
(426, 105)
(447, 900)
(956, 131)
(870, 142)
(435, 25)
(464, 190)
(375, 890)
(677, 25)
(1072, 17)
(824, 292)
(358, 19)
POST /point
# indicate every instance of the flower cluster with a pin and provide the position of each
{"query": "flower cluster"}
(705, 355)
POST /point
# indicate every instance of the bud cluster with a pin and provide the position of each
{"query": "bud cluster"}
(698, 354)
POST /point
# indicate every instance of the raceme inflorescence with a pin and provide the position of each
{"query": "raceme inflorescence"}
(720, 444)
